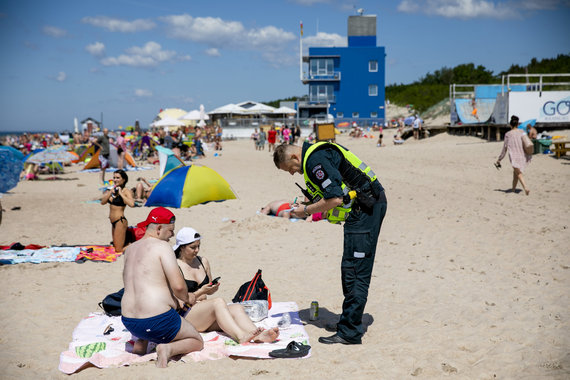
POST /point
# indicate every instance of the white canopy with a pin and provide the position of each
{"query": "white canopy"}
(192, 115)
(168, 122)
(285, 110)
(228, 108)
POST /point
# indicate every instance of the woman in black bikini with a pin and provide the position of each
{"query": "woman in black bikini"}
(212, 314)
(118, 197)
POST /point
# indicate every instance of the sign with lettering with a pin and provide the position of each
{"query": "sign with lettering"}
(545, 107)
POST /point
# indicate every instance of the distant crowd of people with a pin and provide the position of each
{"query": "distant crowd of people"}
(287, 134)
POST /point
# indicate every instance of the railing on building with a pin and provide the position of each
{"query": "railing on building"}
(334, 76)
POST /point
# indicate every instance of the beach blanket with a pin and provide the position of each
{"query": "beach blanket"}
(98, 253)
(36, 256)
(90, 345)
(111, 170)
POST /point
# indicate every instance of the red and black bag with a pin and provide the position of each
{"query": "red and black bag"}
(254, 290)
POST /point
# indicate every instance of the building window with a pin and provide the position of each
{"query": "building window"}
(373, 90)
(373, 114)
(373, 66)
(321, 93)
(339, 115)
(322, 66)
(355, 115)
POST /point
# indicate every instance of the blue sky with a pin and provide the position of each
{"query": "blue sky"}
(127, 59)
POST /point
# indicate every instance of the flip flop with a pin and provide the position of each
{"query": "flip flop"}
(294, 350)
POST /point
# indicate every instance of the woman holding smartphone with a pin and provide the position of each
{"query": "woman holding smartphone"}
(212, 314)
(118, 197)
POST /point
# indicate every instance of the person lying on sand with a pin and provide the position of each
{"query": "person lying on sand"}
(282, 208)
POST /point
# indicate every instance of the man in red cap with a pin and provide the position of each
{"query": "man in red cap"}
(153, 281)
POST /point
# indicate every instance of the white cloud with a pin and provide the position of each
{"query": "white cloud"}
(118, 25)
(149, 55)
(220, 33)
(54, 31)
(96, 49)
(213, 52)
(463, 9)
(325, 39)
(61, 76)
(140, 92)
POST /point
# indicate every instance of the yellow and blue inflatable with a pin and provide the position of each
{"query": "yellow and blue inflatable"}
(186, 186)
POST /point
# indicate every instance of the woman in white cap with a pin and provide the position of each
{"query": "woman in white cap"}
(212, 314)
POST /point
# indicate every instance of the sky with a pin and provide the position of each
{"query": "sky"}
(125, 60)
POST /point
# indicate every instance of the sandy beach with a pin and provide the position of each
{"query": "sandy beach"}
(470, 281)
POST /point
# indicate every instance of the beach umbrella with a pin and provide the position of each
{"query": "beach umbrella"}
(187, 186)
(203, 116)
(343, 124)
(11, 166)
(52, 155)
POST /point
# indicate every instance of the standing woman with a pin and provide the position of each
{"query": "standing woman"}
(519, 160)
(118, 198)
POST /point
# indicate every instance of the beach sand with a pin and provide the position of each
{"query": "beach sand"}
(470, 281)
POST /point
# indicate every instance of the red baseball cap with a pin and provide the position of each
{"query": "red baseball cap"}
(159, 215)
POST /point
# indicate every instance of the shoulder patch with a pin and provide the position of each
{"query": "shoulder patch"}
(317, 167)
(320, 174)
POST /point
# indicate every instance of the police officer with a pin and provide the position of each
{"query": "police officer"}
(344, 189)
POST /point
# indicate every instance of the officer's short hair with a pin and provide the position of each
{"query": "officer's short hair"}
(280, 154)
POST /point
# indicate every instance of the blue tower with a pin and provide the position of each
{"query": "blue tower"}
(347, 82)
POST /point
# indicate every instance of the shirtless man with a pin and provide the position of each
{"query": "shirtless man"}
(153, 282)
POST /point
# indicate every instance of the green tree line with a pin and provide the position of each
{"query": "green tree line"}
(434, 87)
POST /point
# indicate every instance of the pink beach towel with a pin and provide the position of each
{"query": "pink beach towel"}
(90, 347)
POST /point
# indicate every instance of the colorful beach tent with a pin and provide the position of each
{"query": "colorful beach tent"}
(167, 160)
(144, 140)
(11, 166)
(187, 186)
(113, 158)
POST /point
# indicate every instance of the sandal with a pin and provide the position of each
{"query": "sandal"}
(294, 350)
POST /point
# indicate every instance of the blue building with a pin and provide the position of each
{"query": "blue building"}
(347, 82)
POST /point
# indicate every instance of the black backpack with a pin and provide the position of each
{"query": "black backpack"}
(112, 303)
(253, 290)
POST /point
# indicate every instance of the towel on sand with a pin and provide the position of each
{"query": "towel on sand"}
(90, 347)
(36, 256)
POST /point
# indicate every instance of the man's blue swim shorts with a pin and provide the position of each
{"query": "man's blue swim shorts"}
(159, 329)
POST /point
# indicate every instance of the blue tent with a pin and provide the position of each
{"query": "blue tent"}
(11, 166)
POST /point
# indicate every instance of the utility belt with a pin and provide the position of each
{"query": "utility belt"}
(365, 196)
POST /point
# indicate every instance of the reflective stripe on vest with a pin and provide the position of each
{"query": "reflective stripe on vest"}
(339, 213)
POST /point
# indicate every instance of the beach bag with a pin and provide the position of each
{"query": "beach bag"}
(112, 303)
(254, 290)
(528, 146)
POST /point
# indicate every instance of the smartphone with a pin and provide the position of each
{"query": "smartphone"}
(215, 280)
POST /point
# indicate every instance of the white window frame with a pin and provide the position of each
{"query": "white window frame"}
(373, 114)
(355, 115)
(371, 88)
(340, 115)
(370, 68)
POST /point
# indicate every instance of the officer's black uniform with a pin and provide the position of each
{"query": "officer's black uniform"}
(361, 231)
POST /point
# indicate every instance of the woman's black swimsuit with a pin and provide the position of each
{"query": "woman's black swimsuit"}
(193, 285)
(117, 200)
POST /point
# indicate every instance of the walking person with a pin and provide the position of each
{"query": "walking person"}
(519, 159)
(344, 189)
